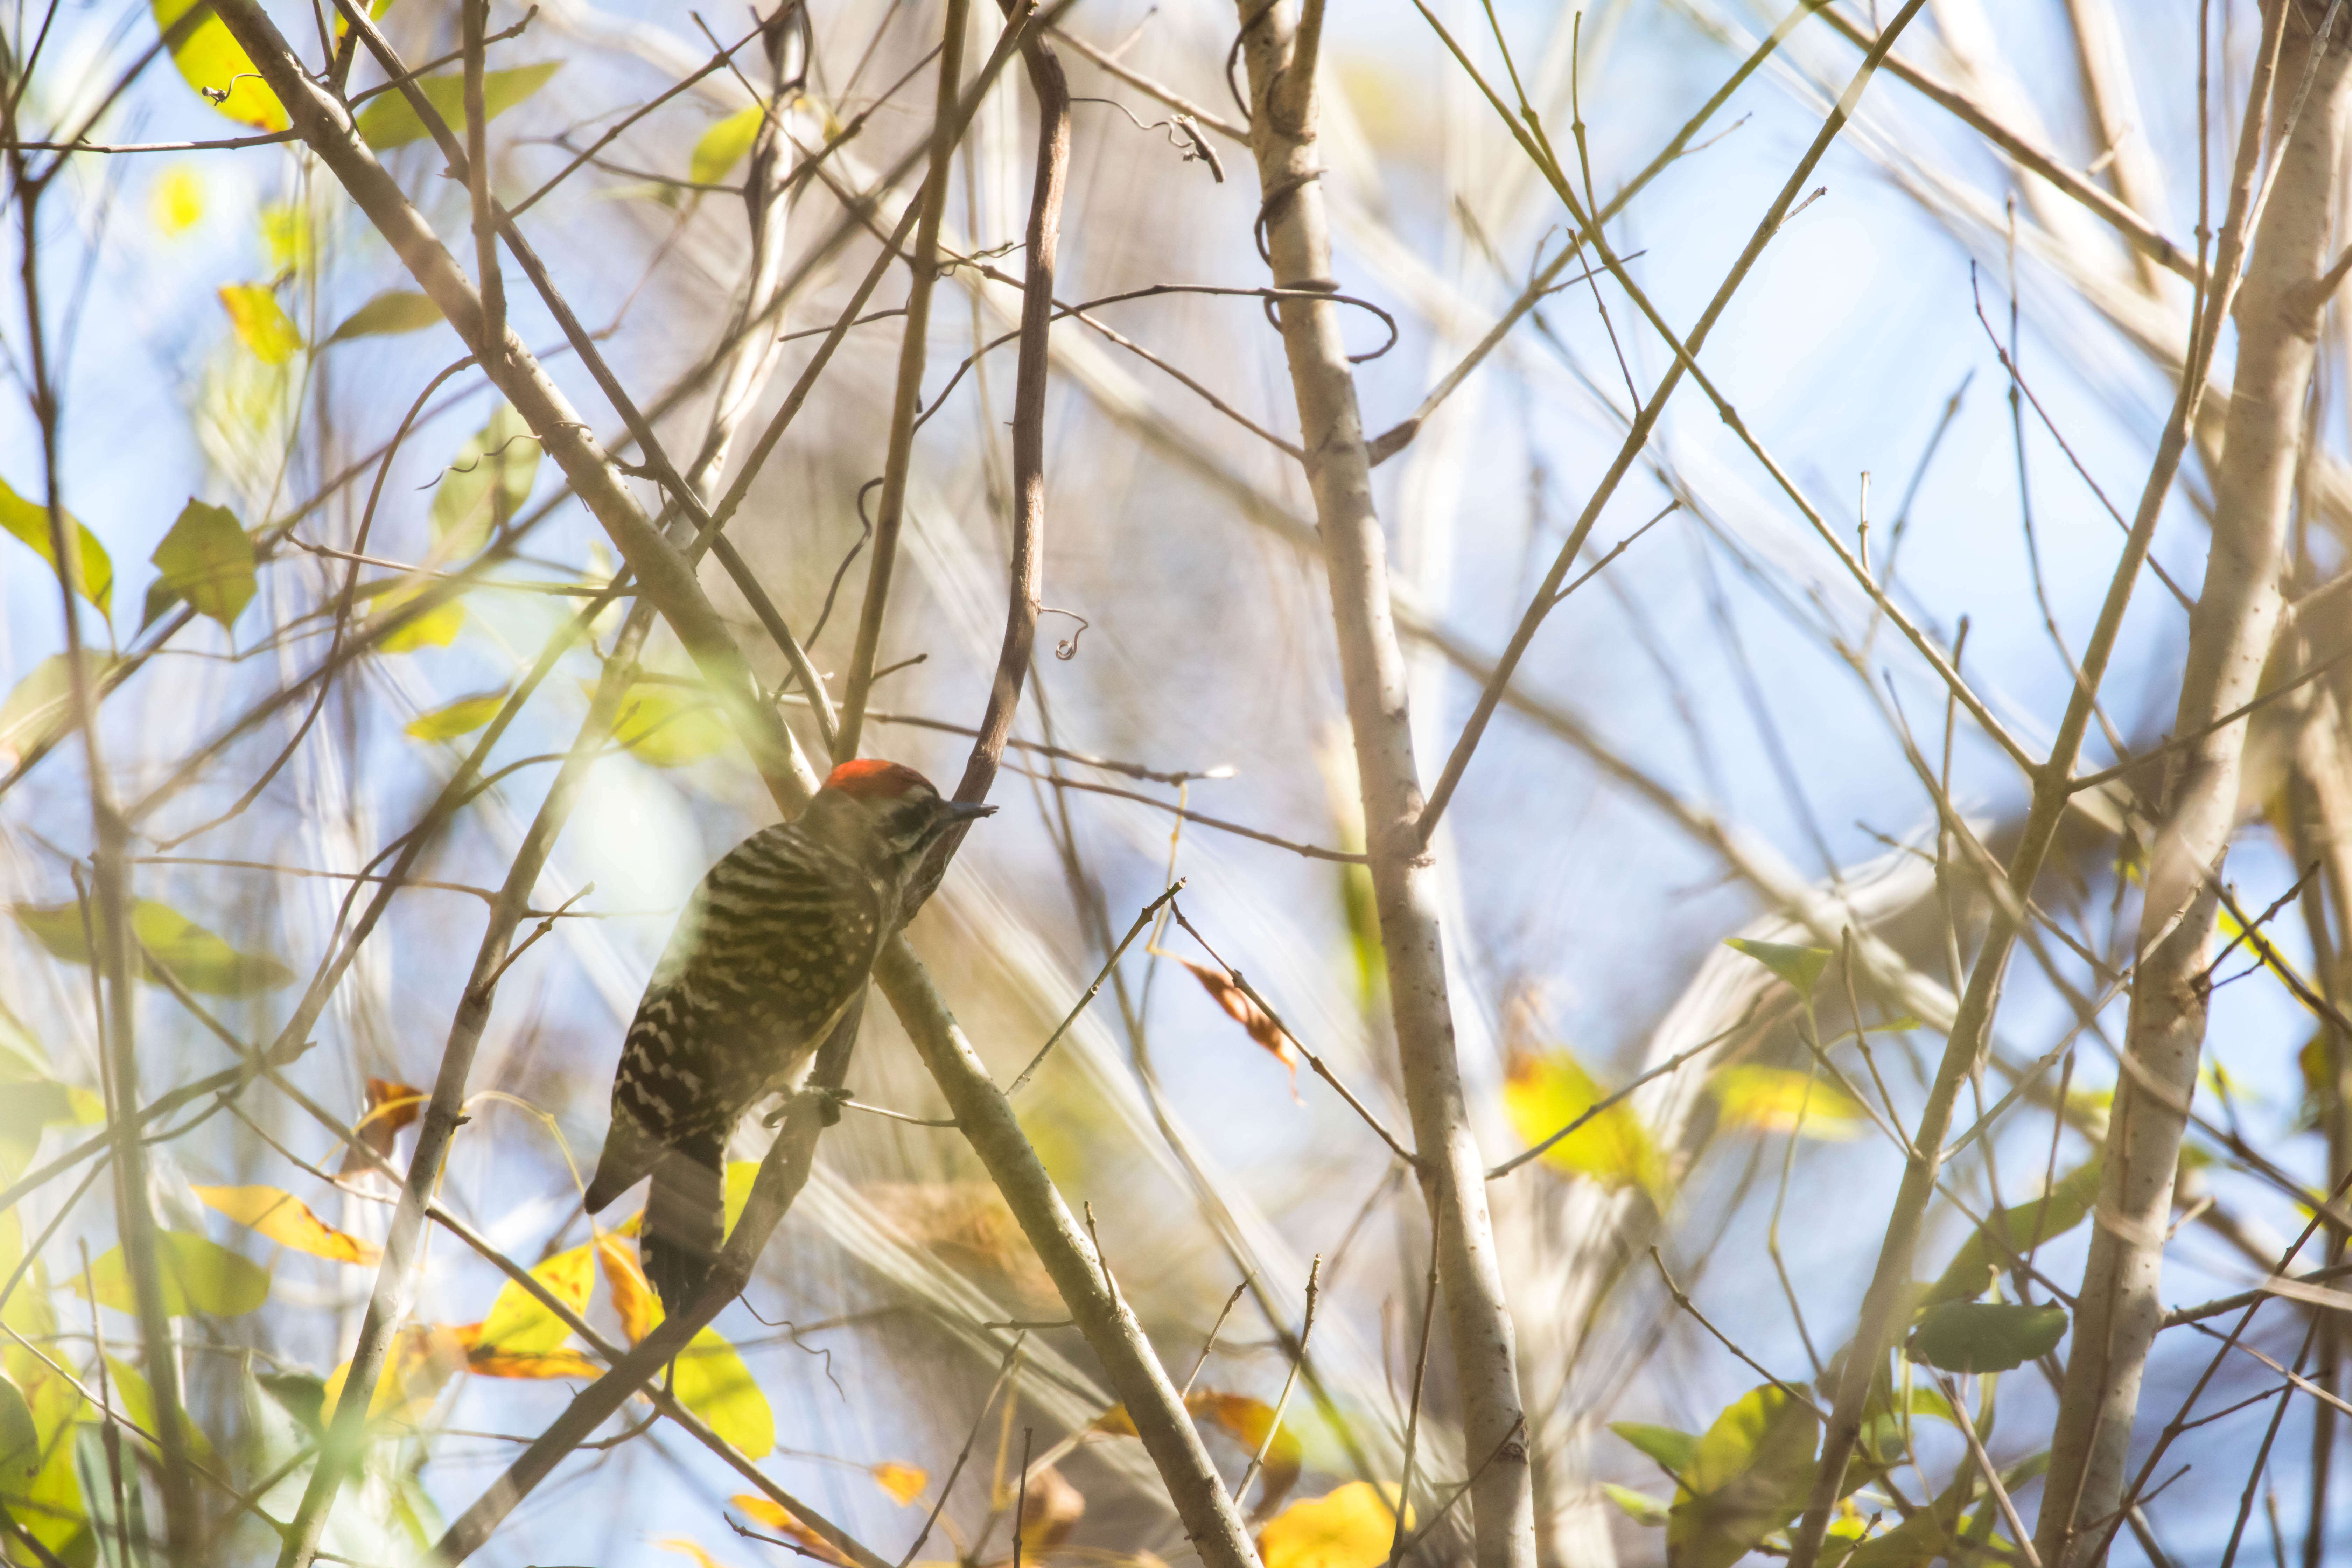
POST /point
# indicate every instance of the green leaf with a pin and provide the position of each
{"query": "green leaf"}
(1545, 1091)
(388, 122)
(486, 482)
(199, 1276)
(135, 1399)
(1361, 909)
(1883, 1422)
(207, 560)
(393, 311)
(40, 709)
(1926, 1536)
(212, 62)
(45, 1494)
(261, 323)
(1776, 1099)
(1638, 1508)
(713, 1382)
(1799, 966)
(666, 728)
(462, 717)
(19, 1438)
(1672, 1449)
(27, 1107)
(302, 1394)
(29, 520)
(1749, 1476)
(1985, 1336)
(202, 962)
(723, 146)
(1981, 1260)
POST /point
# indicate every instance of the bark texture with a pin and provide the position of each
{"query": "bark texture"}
(2229, 636)
(1279, 47)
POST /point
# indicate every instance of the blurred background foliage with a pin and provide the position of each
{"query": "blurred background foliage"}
(1711, 743)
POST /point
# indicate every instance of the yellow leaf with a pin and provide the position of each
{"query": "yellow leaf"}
(740, 1174)
(723, 146)
(285, 1219)
(776, 1516)
(1350, 1528)
(214, 64)
(904, 1482)
(633, 1297)
(29, 520)
(519, 1324)
(198, 1276)
(1543, 1092)
(286, 238)
(43, 1492)
(713, 1382)
(175, 201)
(261, 323)
(437, 627)
(1775, 1100)
(1246, 1422)
(684, 1548)
(418, 1367)
(556, 1362)
(667, 727)
(462, 717)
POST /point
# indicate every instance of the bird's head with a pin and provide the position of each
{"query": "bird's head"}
(888, 810)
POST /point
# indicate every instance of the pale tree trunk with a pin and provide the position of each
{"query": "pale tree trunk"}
(1280, 48)
(2321, 817)
(2229, 636)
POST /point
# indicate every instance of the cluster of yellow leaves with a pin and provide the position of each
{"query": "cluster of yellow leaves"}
(711, 1379)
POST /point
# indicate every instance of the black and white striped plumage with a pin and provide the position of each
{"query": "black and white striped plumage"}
(772, 949)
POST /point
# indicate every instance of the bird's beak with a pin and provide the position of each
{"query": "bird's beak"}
(958, 811)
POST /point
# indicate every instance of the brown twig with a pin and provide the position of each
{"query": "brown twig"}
(913, 349)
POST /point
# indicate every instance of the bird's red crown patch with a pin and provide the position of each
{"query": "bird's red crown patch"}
(871, 778)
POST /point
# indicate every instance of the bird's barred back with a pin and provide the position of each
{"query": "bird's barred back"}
(771, 948)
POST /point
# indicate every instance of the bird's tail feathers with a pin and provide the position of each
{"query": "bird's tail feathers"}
(686, 1220)
(629, 1152)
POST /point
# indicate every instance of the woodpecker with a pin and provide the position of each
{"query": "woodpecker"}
(772, 949)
